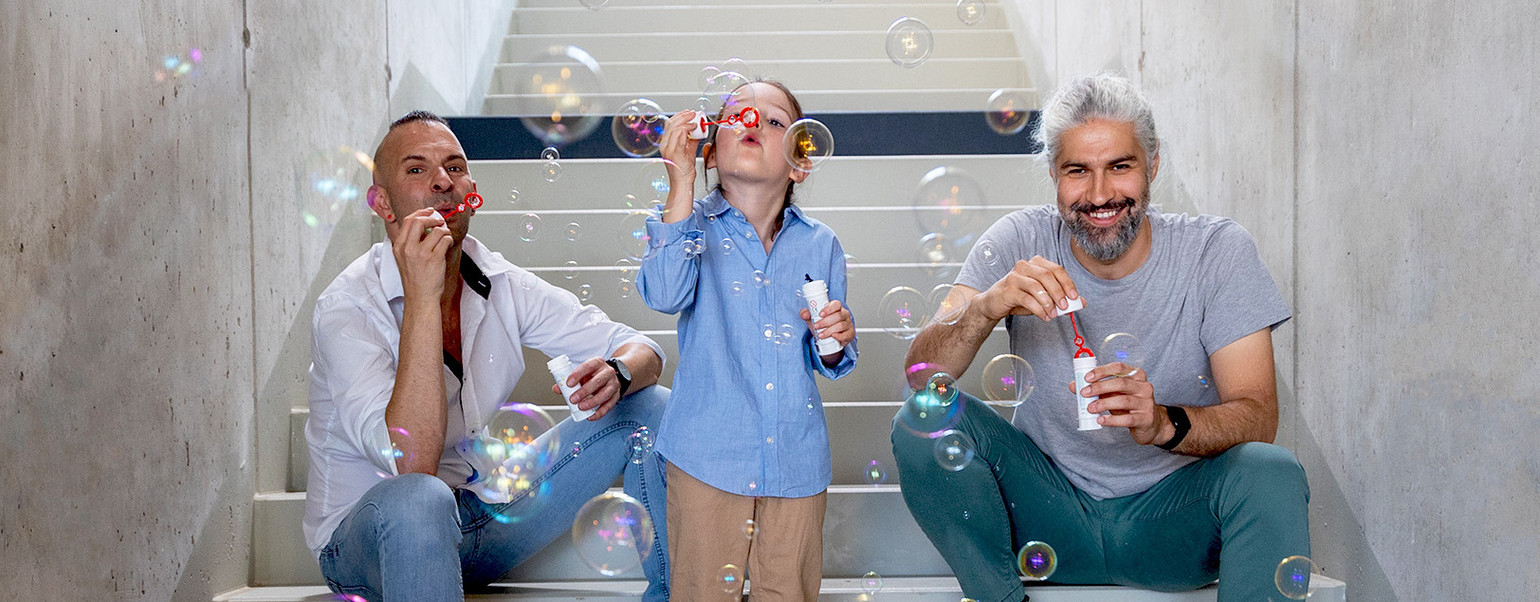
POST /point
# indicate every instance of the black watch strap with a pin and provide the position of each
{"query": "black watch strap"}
(622, 373)
(1179, 420)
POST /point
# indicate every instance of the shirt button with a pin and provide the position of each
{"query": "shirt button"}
(769, 386)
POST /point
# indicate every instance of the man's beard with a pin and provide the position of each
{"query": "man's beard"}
(1106, 244)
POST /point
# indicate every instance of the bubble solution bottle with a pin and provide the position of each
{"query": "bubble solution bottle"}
(561, 367)
(817, 294)
(1084, 365)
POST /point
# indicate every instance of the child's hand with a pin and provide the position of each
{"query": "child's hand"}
(678, 151)
(833, 322)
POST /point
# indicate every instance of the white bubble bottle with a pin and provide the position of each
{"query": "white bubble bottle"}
(817, 294)
(561, 367)
(1084, 365)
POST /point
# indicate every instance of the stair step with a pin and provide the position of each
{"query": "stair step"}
(754, 47)
(813, 100)
(575, 19)
(905, 589)
(859, 417)
(866, 528)
(799, 74)
(524, 4)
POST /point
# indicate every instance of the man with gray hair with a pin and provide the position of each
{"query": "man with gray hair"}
(1169, 481)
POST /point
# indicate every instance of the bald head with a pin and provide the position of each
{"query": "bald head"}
(389, 151)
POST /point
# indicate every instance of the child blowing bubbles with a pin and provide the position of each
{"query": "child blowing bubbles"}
(744, 432)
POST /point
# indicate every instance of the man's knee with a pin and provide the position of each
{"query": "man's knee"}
(646, 405)
(415, 501)
(1266, 468)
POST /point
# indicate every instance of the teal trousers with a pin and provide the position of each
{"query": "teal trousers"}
(1233, 517)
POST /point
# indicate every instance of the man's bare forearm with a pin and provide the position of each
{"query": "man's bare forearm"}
(417, 405)
(1219, 427)
(947, 348)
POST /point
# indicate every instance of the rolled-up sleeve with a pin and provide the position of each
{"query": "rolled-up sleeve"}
(353, 370)
(671, 267)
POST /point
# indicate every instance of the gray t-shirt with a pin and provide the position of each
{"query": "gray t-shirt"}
(1203, 287)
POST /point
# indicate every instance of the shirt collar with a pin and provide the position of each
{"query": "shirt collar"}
(716, 205)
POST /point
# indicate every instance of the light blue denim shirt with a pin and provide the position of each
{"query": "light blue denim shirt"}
(745, 416)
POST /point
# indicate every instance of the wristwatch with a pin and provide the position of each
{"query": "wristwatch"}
(621, 372)
(1178, 417)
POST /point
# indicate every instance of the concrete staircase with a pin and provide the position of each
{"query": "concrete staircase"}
(832, 55)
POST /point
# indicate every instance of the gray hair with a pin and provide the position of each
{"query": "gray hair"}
(1090, 97)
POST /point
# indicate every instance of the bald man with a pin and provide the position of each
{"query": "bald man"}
(415, 347)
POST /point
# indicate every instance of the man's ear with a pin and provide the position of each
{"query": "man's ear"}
(379, 201)
(1154, 167)
(709, 152)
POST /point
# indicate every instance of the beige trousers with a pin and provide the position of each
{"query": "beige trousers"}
(707, 530)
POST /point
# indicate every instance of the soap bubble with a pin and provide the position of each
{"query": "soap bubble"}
(511, 454)
(954, 450)
(633, 235)
(332, 184)
(550, 153)
(574, 231)
(1205, 382)
(986, 251)
(768, 330)
(901, 312)
(552, 171)
(871, 583)
(935, 249)
(527, 281)
(909, 42)
(529, 227)
(649, 188)
(1036, 561)
(1122, 347)
(735, 64)
(569, 269)
(750, 529)
(948, 202)
(585, 293)
(1293, 577)
(1008, 380)
(638, 127)
(706, 73)
(948, 310)
(786, 334)
(726, 89)
(612, 533)
(559, 95)
(875, 473)
(731, 579)
(1008, 111)
(735, 289)
(577, 448)
(594, 4)
(640, 441)
(397, 451)
(726, 245)
(513, 197)
(760, 279)
(808, 144)
(625, 288)
(970, 12)
(932, 409)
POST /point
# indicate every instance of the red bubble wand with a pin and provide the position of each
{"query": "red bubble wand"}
(472, 201)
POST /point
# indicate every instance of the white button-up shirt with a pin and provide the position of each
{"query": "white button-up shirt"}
(355, 348)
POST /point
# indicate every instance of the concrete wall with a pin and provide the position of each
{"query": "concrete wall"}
(1379, 157)
(158, 270)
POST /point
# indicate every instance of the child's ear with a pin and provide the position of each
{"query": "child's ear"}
(708, 151)
(798, 174)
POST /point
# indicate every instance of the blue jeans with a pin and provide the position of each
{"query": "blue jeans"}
(1233, 517)
(412, 537)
